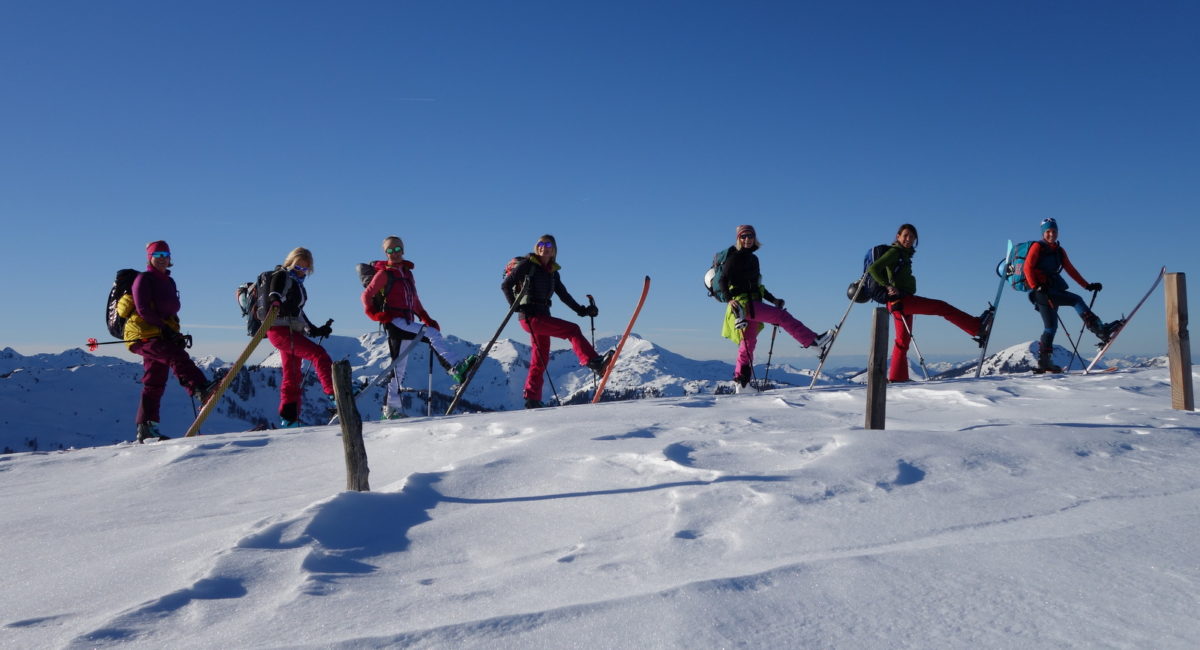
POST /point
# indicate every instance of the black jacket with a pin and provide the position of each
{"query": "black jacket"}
(742, 274)
(543, 283)
(291, 296)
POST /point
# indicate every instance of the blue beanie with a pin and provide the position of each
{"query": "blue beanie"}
(1049, 223)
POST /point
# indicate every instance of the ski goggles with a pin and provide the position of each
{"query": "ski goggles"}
(160, 254)
(545, 244)
(394, 249)
(303, 269)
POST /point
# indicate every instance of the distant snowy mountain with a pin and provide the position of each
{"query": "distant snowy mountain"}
(77, 399)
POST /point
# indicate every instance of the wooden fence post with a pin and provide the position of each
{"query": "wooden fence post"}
(877, 371)
(352, 441)
(1179, 347)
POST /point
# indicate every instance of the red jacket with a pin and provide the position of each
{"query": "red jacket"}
(1042, 272)
(401, 301)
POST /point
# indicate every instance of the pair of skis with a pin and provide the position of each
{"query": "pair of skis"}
(462, 388)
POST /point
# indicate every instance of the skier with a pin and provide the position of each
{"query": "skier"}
(748, 308)
(1043, 268)
(893, 271)
(152, 331)
(391, 298)
(541, 269)
(289, 335)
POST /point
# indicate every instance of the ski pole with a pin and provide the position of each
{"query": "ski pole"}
(1074, 348)
(770, 351)
(592, 303)
(92, 344)
(1079, 336)
(429, 395)
(462, 388)
(824, 354)
(917, 348)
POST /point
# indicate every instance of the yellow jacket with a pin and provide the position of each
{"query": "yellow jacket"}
(137, 329)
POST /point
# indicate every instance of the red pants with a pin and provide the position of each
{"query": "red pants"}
(159, 357)
(293, 348)
(541, 328)
(902, 312)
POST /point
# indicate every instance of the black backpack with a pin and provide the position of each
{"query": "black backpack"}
(252, 299)
(365, 273)
(121, 286)
(866, 288)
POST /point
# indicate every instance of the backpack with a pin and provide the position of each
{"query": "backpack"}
(122, 285)
(714, 279)
(510, 267)
(866, 288)
(252, 299)
(365, 273)
(1014, 271)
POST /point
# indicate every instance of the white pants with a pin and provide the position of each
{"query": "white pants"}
(400, 366)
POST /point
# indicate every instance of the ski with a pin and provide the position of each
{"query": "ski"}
(1125, 321)
(462, 388)
(823, 354)
(384, 377)
(612, 363)
(215, 398)
(986, 336)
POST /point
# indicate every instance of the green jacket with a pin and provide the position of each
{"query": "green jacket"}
(894, 269)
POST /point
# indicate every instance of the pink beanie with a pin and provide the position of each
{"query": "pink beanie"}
(159, 246)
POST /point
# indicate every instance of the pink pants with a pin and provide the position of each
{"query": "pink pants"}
(293, 347)
(764, 313)
(902, 312)
(159, 357)
(541, 328)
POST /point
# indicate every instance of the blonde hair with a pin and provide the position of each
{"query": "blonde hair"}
(297, 254)
(392, 238)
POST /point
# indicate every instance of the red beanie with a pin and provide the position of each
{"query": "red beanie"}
(745, 229)
(159, 246)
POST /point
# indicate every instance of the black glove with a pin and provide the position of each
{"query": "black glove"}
(1095, 286)
(320, 332)
(173, 337)
(591, 310)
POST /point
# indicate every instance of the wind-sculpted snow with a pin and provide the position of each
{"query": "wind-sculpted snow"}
(1014, 511)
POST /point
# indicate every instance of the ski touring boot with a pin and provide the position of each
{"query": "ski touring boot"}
(985, 325)
(148, 430)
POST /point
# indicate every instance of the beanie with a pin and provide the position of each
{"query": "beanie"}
(1049, 223)
(159, 246)
(745, 230)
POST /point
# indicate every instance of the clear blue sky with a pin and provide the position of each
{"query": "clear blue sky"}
(639, 133)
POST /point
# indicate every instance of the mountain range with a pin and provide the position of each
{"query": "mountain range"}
(78, 399)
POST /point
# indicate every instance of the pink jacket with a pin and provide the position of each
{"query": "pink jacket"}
(402, 300)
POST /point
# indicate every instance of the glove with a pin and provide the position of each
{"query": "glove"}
(1095, 286)
(173, 337)
(778, 302)
(591, 310)
(320, 332)
(431, 324)
(379, 316)
(739, 315)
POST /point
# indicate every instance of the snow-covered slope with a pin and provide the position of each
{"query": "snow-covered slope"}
(1012, 511)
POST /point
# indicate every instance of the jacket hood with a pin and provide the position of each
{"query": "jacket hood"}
(382, 265)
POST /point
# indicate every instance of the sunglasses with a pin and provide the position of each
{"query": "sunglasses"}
(160, 254)
(394, 249)
(300, 268)
(748, 235)
(545, 244)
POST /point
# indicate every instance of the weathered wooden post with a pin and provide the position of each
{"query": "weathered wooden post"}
(352, 441)
(877, 371)
(1179, 347)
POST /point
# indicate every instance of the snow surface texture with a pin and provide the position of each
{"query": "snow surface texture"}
(1011, 511)
(75, 399)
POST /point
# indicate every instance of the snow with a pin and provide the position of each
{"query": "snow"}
(1011, 511)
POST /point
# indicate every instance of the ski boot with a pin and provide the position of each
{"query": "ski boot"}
(985, 326)
(288, 424)
(741, 380)
(1045, 365)
(534, 404)
(459, 372)
(392, 413)
(600, 363)
(146, 430)
(823, 341)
